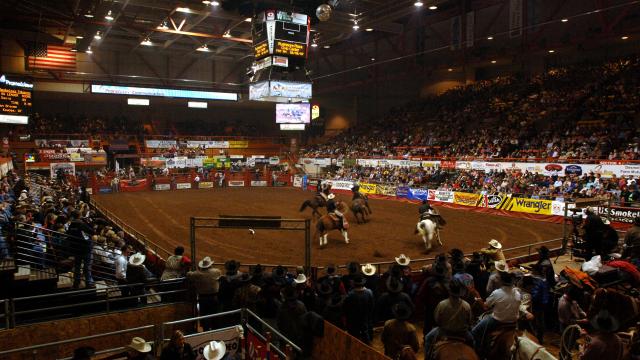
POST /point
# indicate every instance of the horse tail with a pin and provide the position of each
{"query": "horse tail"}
(305, 204)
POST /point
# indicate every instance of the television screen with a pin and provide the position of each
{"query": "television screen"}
(293, 113)
(15, 101)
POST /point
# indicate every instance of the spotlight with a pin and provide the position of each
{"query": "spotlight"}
(97, 36)
(247, 19)
(624, 37)
(109, 16)
(373, 59)
(489, 37)
(226, 35)
(314, 45)
(449, 69)
(88, 14)
(89, 51)
(493, 61)
(203, 48)
(368, 29)
(551, 51)
(564, 20)
(185, 10)
(433, 7)
(73, 50)
(79, 37)
(163, 26)
(355, 25)
(418, 3)
(327, 46)
(146, 42)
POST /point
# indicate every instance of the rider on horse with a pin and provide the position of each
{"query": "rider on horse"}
(322, 189)
(426, 211)
(332, 208)
(356, 192)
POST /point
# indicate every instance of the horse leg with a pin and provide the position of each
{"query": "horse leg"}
(346, 236)
(325, 238)
(438, 236)
(427, 242)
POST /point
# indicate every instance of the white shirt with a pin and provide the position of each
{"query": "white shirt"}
(121, 267)
(506, 304)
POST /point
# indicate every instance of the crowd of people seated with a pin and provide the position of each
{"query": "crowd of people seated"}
(81, 124)
(527, 184)
(579, 112)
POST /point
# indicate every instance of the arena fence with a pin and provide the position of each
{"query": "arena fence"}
(249, 223)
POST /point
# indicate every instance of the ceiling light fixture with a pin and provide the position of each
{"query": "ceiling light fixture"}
(551, 51)
(373, 59)
(489, 37)
(146, 42)
(203, 48)
(89, 51)
(185, 10)
(79, 37)
(355, 25)
(97, 36)
(564, 20)
(73, 50)
(368, 29)
(433, 7)
(226, 35)
(624, 37)
(493, 61)
(327, 46)
(314, 45)
(418, 3)
(247, 19)
(88, 14)
(163, 26)
(449, 69)
(109, 16)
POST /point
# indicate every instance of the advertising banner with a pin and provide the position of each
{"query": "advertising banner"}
(195, 144)
(557, 207)
(448, 164)
(162, 187)
(467, 199)
(76, 157)
(619, 214)
(205, 185)
(236, 183)
(418, 194)
(160, 144)
(230, 336)
(152, 163)
(274, 160)
(495, 200)
(402, 191)
(180, 186)
(133, 185)
(531, 206)
(386, 190)
(368, 188)
(297, 181)
(50, 154)
(98, 158)
(340, 184)
(441, 196)
(258, 183)
(239, 144)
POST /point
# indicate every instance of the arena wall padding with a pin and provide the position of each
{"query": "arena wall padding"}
(336, 344)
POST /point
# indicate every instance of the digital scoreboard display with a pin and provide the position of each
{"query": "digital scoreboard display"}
(277, 32)
(15, 101)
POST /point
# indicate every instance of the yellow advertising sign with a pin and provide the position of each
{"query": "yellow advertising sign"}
(238, 144)
(467, 199)
(368, 188)
(531, 206)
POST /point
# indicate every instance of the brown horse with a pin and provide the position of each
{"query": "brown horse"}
(318, 201)
(451, 349)
(624, 308)
(329, 222)
(360, 206)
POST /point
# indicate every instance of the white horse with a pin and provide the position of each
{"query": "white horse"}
(526, 349)
(428, 229)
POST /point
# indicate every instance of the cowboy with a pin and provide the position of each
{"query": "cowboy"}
(453, 317)
(494, 251)
(505, 302)
(355, 189)
(426, 211)
(603, 343)
(593, 228)
(332, 208)
(205, 282)
(399, 332)
(215, 350)
(632, 241)
(494, 279)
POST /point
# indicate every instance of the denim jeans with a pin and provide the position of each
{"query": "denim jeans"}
(4, 248)
(482, 329)
(84, 261)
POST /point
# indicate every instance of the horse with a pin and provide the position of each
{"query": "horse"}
(498, 343)
(360, 206)
(327, 223)
(452, 349)
(317, 202)
(428, 229)
(525, 348)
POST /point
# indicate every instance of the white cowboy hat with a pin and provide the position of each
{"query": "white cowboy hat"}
(205, 263)
(495, 244)
(214, 350)
(137, 259)
(403, 260)
(140, 345)
(368, 269)
(501, 266)
(300, 279)
(331, 196)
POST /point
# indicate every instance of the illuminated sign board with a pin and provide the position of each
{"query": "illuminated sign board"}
(261, 50)
(291, 126)
(174, 93)
(287, 48)
(315, 112)
(15, 101)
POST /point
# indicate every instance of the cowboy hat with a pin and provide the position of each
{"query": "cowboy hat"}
(368, 269)
(495, 244)
(205, 263)
(401, 310)
(330, 269)
(331, 196)
(289, 293)
(245, 278)
(353, 267)
(403, 260)
(605, 322)
(214, 350)
(140, 345)
(359, 280)
(501, 266)
(394, 285)
(231, 266)
(278, 275)
(300, 279)
(137, 259)
(324, 288)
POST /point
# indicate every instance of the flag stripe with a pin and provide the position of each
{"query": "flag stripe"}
(51, 57)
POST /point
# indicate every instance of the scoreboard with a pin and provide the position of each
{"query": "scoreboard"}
(277, 32)
(15, 101)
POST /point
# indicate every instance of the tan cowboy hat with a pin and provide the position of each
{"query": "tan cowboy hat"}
(140, 345)
(501, 266)
(331, 196)
(368, 269)
(214, 350)
(403, 260)
(137, 259)
(300, 279)
(205, 263)
(495, 244)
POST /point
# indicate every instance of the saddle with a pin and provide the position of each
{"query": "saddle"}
(336, 221)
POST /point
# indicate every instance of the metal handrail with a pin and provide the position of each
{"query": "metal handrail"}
(220, 314)
(265, 324)
(68, 341)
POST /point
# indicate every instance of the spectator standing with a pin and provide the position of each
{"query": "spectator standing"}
(177, 348)
(494, 251)
(176, 265)
(82, 247)
(290, 316)
(399, 332)
(453, 317)
(205, 282)
(632, 242)
(358, 309)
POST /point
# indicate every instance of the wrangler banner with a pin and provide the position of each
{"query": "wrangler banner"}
(467, 199)
(368, 188)
(531, 206)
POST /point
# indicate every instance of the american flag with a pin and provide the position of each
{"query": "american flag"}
(50, 57)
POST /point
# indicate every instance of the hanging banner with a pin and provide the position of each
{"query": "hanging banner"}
(236, 183)
(467, 199)
(515, 18)
(239, 144)
(441, 196)
(162, 187)
(160, 144)
(386, 190)
(181, 186)
(368, 188)
(531, 206)
(67, 168)
(620, 214)
(205, 185)
(417, 194)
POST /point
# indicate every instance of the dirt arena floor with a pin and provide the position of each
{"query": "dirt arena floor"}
(164, 218)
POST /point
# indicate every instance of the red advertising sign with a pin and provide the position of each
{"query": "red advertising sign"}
(448, 164)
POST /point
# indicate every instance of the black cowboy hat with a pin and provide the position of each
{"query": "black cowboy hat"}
(353, 267)
(330, 269)
(394, 285)
(359, 280)
(324, 288)
(456, 254)
(401, 310)
(543, 250)
(231, 266)
(289, 293)
(245, 278)
(256, 270)
(605, 322)
(279, 275)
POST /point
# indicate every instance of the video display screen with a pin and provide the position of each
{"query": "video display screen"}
(15, 101)
(293, 113)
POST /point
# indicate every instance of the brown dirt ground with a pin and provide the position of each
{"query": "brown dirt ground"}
(164, 218)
